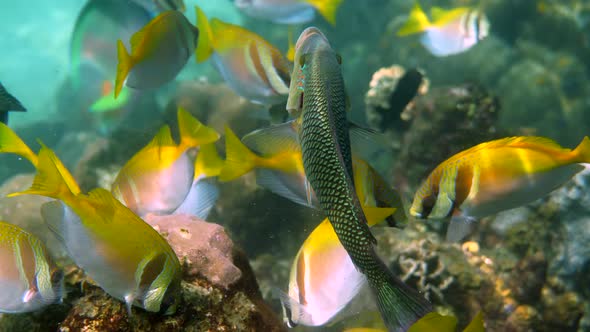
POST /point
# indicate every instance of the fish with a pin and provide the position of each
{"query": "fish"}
(450, 32)
(29, 278)
(158, 52)
(317, 93)
(157, 6)
(323, 279)
(8, 103)
(435, 322)
(289, 11)
(250, 65)
(141, 270)
(108, 111)
(159, 177)
(274, 154)
(495, 176)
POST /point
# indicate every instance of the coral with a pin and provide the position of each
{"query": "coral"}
(203, 248)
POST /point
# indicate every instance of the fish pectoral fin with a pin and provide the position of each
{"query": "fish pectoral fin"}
(294, 313)
(366, 142)
(459, 227)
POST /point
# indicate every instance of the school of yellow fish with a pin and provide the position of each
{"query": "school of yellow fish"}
(167, 177)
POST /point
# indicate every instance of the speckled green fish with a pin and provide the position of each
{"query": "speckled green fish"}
(123, 254)
(317, 93)
(29, 279)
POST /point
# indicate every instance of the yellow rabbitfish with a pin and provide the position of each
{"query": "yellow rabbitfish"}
(289, 11)
(496, 176)
(158, 52)
(123, 254)
(161, 176)
(250, 65)
(450, 32)
(29, 279)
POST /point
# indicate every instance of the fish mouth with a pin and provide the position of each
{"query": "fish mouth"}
(308, 38)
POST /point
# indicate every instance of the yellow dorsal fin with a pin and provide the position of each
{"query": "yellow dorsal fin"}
(417, 22)
(205, 42)
(523, 142)
(208, 162)
(124, 65)
(162, 138)
(50, 180)
(437, 13)
(441, 17)
(192, 132)
(10, 142)
(582, 151)
(376, 215)
(327, 8)
(291, 51)
(239, 160)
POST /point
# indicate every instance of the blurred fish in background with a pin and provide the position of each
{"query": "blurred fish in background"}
(289, 11)
(8, 104)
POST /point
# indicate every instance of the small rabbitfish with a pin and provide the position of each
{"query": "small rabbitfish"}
(160, 177)
(450, 31)
(289, 11)
(495, 176)
(158, 52)
(29, 279)
(124, 255)
(250, 65)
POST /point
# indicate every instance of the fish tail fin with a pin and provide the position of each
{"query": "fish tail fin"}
(52, 178)
(239, 160)
(582, 151)
(192, 132)
(327, 8)
(204, 45)
(208, 162)
(400, 306)
(376, 215)
(11, 143)
(416, 23)
(123, 67)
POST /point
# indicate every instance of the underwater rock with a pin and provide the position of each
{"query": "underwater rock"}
(447, 120)
(533, 269)
(203, 248)
(524, 318)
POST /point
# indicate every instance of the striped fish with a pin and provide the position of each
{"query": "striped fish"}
(29, 279)
(8, 103)
(493, 177)
(450, 32)
(251, 66)
(157, 6)
(289, 11)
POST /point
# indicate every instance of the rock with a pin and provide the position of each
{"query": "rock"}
(203, 248)
(524, 318)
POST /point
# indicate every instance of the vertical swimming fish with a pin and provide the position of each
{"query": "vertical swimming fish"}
(251, 66)
(8, 103)
(158, 52)
(495, 176)
(451, 31)
(317, 92)
(289, 11)
(158, 178)
(29, 279)
(140, 270)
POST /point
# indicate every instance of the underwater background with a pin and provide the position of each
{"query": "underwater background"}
(524, 269)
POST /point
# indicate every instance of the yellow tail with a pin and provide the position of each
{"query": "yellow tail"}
(52, 179)
(192, 132)
(11, 143)
(327, 8)
(376, 215)
(239, 160)
(204, 45)
(582, 151)
(123, 67)
(208, 162)
(417, 22)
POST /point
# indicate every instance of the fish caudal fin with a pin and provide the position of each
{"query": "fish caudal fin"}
(376, 215)
(239, 160)
(400, 306)
(208, 162)
(52, 178)
(11, 143)
(459, 227)
(192, 132)
(582, 151)
(123, 67)
(327, 8)
(204, 45)
(417, 22)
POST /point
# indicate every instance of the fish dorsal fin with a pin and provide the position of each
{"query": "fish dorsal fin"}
(205, 43)
(437, 13)
(273, 140)
(417, 22)
(523, 142)
(327, 8)
(441, 17)
(192, 132)
(141, 35)
(162, 138)
(230, 36)
(10, 142)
